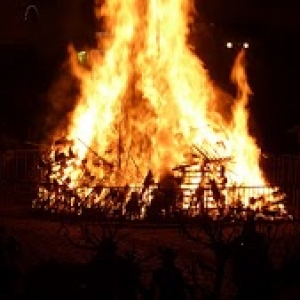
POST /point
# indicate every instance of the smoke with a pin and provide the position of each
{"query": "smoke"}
(60, 101)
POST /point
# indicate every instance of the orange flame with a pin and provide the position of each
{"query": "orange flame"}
(244, 148)
(147, 99)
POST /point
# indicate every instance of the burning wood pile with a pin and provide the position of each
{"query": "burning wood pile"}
(208, 190)
(198, 188)
(145, 99)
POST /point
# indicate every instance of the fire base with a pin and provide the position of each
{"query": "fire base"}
(198, 188)
(156, 204)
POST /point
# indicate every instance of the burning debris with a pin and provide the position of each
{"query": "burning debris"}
(147, 103)
(200, 188)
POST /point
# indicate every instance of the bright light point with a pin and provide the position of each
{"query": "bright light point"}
(246, 45)
(229, 45)
(82, 56)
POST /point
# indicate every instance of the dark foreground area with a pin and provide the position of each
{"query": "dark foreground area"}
(48, 259)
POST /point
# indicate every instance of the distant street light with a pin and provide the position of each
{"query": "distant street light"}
(246, 45)
(229, 45)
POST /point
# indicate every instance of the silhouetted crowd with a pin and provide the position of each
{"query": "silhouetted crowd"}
(111, 275)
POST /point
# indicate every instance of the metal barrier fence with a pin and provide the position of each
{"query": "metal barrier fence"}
(267, 200)
(281, 170)
(19, 165)
(19, 175)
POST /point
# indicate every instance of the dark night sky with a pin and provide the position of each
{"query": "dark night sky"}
(271, 27)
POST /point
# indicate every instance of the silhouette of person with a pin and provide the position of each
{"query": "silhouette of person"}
(250, 262)
(102, 271)
(167, 281)
(9, 249)
(2, 246)
(110, 276)
(132, 284)
(13, 248)
(149, 180)
(133, 208)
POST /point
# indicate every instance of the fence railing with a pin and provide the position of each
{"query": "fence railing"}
(19, 175)
(19, 166)
(281, 170)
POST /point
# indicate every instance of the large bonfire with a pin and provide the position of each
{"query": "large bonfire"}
(147, 103)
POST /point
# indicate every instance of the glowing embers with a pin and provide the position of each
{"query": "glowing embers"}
(69, 186)
(214, 197)
(194, 189)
